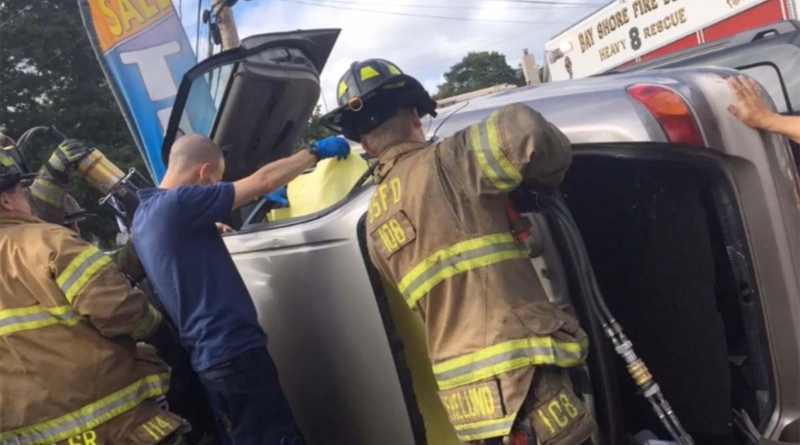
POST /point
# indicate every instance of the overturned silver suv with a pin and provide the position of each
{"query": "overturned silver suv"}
(680, 221)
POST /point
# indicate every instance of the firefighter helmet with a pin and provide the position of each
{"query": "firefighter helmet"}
(10, 173)
(370, 93)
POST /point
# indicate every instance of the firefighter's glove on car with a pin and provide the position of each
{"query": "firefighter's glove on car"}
(66, 156)
(278, 198)
(332, 146)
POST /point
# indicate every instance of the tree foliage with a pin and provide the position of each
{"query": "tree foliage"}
(315, 131)
(476, 71)
(49, 75)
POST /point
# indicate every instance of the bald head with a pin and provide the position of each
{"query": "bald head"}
(194, 159)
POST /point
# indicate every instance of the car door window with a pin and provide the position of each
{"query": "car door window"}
(770, 78)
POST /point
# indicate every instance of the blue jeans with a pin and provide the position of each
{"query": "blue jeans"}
(246, 392)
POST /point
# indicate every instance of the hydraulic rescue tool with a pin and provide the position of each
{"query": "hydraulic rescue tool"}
(118, 188)
(569, 239)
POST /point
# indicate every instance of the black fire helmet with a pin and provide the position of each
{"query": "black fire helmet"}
(370, 93)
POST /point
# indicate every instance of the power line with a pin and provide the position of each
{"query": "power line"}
(419, 5)
(552, 3)
(412, 61)
(23, 11)
(197, 31)
(407, 14)
(56, 56)
(473, 46)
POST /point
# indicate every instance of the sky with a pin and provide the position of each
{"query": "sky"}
(423, 47)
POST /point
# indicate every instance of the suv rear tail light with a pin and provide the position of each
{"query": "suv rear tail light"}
(671, 112)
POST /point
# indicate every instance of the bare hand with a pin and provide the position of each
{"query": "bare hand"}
(224, 228)
(750, 108)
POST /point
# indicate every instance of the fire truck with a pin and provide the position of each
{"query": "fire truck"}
(626, 32)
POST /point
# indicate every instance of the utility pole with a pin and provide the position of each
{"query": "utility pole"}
(227, 27)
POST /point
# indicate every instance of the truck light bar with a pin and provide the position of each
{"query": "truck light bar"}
(671, 112)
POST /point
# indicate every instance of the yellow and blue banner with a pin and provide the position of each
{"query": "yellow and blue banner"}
(144, 52)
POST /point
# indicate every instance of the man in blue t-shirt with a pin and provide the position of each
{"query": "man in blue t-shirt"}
(176, 237)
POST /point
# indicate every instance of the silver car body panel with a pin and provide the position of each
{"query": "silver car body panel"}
(314, 297)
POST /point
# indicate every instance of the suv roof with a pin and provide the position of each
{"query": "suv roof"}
(777, 44)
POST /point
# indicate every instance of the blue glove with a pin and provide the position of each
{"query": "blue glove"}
(331, 146)
(277, 197)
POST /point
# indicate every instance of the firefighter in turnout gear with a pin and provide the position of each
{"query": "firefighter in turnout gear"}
(50, 201)
(70, 369)
(437, 228)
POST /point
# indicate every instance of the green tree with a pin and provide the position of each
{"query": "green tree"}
(314, 131)
(49, 76)
(476, 71)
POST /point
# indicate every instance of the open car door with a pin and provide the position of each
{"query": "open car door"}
(263, 93)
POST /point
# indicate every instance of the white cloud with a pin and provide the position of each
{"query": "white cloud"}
(422, 47)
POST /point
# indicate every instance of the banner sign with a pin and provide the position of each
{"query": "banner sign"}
(144, 52)
(627, 29)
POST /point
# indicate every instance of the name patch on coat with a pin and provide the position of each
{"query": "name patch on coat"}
(473, 403)
(393, 234)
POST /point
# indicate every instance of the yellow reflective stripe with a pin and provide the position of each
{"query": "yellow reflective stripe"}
(80, 271)
(449, 251)
(90, 416)
(368, 72)
(47, 192)
(148, 324)
(6, 160)
(505, 357)
(485, 143)
(393, 69)
(493, 136)
(457, 259)
(56, 162)
(462, 267)
(342, 89)
(483, 163)
(485, 429)
(35, 317)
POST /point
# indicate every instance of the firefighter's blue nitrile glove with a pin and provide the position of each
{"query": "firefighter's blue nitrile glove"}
(332, 146)
(278, 197)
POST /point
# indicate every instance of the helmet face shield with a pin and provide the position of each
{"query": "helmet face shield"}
(370, 93)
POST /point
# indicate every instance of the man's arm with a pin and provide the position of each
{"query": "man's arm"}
(49, 189)
(271, 177)
(96, 288)
(277, 174)
(752, 109)
(514, 143)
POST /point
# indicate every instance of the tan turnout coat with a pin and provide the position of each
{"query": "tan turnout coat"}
(437, 228)
(70, 369)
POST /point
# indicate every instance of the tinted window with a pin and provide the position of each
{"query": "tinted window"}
(769, 77)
